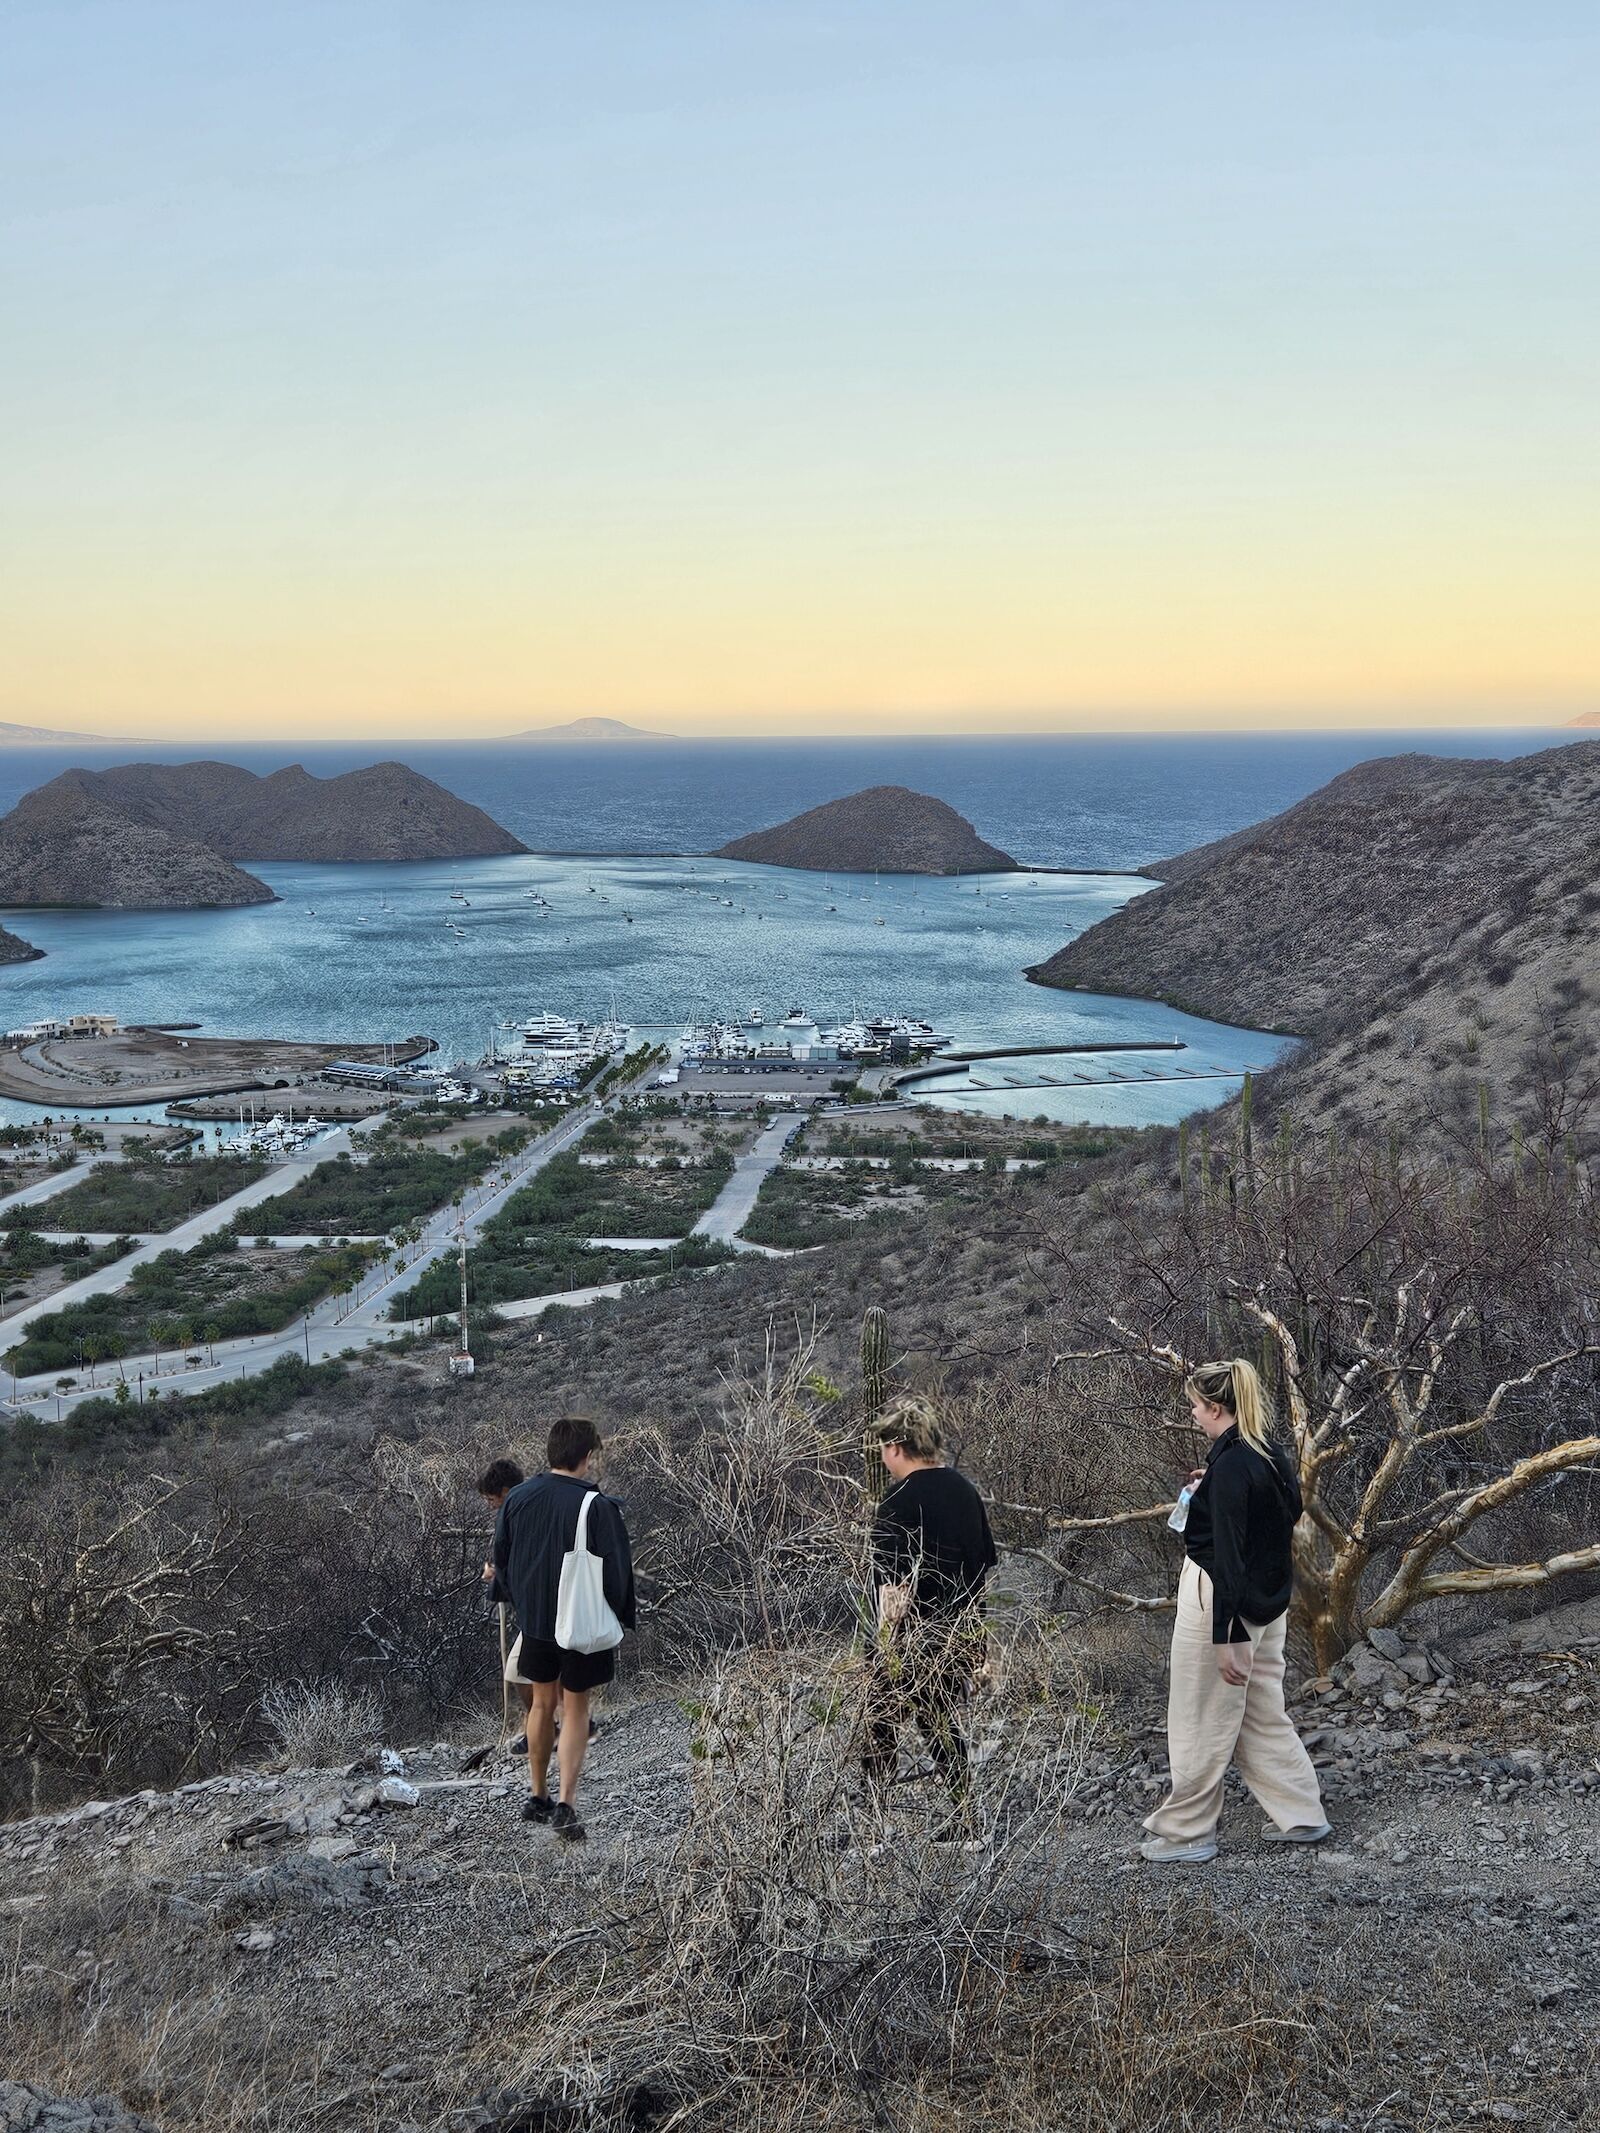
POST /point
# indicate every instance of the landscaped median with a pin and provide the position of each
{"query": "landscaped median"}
(395, 1185)
(182, 1300)
(142, 1196)
(539, 1242)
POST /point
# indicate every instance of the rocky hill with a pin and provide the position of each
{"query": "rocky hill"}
(13, 950)
(1431, 921)
(887, 829)
(167, 834)
(65, 844)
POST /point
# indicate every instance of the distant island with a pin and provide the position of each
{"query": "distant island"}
(167, 835)
(589, 729)
(888, 829)
(1585, 718)
(47, 736)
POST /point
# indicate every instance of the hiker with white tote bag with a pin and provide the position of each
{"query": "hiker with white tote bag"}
(561, 1551)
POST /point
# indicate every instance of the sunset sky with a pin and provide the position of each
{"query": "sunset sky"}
(797, 365)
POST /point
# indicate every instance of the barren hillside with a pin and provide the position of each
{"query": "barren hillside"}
(1432, 923)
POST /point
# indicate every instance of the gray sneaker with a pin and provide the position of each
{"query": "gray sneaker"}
(1302, 1833)
(1178, 1851)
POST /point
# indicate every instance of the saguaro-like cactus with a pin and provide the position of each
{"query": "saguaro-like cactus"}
(874, 1393)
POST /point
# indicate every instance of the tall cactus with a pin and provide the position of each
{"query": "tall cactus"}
(874, 1394)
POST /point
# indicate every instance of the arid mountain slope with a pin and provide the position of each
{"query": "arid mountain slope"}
(165, 834)
(65, 844)
(384, 811)
(1431, 922)
(887, 829)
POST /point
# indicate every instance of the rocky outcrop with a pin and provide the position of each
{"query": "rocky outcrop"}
(14, 950)
(887, 829)
(1430, 921)
(25, 2108)
(167, 834)
(65, 845)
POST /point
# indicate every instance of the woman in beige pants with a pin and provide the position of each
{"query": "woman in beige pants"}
(1225, 1697)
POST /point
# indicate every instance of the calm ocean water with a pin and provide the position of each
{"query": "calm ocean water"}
(1070, 800)
(366, 952)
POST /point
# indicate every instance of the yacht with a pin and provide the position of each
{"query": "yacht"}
(756, 1018)
(540, 1031)
(920, 1035)
(797, 1019)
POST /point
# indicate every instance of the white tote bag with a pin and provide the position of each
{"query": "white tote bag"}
(585, 1621)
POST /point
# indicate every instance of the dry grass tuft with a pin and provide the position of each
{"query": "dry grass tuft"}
(805, 1957)
(320, 1723)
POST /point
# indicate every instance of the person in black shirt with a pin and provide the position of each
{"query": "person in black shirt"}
(1225, 1693)
(931, 1552)
(537, 1528)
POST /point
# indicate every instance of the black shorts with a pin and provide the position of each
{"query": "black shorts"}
(541, 1660)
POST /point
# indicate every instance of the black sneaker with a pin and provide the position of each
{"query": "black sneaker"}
(538, 1809)
(565, 1823)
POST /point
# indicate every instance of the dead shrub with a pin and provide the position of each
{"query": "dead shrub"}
(318, 1723)
(804, 1958)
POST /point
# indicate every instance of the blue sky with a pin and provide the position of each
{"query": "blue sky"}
(372, 368)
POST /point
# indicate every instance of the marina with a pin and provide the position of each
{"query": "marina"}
(748, 967)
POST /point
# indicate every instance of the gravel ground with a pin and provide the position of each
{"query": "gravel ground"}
(342, 1948)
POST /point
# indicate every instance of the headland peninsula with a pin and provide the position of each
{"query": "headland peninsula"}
(110, 1067)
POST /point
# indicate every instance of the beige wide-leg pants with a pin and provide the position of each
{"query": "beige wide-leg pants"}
(1210, 1724)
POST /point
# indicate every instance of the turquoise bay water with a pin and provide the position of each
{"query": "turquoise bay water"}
(359, 970)
(366, 952)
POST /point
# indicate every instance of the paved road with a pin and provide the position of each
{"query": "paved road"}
(281, 1179)
(337, 1323)
(47, 1188)
(733, 1206)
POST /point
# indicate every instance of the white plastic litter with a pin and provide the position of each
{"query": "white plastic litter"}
(395, 1792)
(391, 1762)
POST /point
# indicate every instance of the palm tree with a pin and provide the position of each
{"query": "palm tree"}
(211, 1334)
(163, 1334)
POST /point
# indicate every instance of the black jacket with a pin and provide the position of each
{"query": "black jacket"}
(932, 1531)
(1241, 1522)
(537, 1526)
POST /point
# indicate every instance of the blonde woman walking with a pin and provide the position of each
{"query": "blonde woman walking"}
(1225, 1697)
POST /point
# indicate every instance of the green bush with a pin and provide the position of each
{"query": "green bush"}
(184, 1297)
(137, 1197)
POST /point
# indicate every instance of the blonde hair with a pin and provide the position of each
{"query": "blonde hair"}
(913, 1423)
(1236, 1387)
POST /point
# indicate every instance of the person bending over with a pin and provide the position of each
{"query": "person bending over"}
(1225, 1690)
(931, 1552)
(537, 1528)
